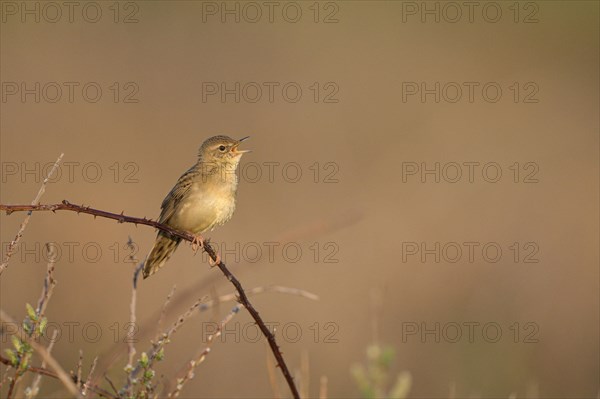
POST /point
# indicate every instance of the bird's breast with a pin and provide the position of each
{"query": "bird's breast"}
(205, 208)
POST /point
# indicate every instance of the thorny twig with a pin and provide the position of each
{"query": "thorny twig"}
(121, 218)
(13, 243)
(272, 377)
(310, 229)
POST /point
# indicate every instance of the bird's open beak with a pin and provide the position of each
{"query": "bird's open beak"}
(235, 147)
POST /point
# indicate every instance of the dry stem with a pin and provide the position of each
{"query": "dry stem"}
(243, 299)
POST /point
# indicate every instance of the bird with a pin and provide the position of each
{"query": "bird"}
(203, 198)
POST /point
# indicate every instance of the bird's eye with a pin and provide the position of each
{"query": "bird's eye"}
(222, 148)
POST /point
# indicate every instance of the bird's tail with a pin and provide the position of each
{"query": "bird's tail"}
(163, 248)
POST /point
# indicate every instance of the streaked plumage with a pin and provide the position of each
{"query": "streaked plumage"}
(202, 198)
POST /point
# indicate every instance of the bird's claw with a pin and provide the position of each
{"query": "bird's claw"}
(197, 243)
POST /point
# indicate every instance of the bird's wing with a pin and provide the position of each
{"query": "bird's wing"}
(177, 193)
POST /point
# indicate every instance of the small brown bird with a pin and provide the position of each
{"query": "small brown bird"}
(203, 198)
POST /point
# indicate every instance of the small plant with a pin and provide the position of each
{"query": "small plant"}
(33, 325)
(373, 378)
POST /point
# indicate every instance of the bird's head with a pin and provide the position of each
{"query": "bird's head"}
(222, 150)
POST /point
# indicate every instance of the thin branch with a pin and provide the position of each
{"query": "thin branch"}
(60, 373)
(163, 338)
(161, 341)
(166, 337)
(36, 370)
(309, 229)
(49, 373)
(35, 327)
(132, 320)
(189, 374)
(13, 384)
(5, 375)
(121, 218)
(260, 290)
(261, 324)
(86, 384)
(49, 282)
(77, 376)
(13, 243)
(163, 312)
(312, 229)
(35, 387)
(203, 306)
(272, 377)
(112, 385)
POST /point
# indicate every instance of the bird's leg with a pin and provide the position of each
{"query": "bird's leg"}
(197, 243)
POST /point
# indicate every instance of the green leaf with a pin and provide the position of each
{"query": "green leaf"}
(144, 359)
(42, 325)
(24, 362)
(12, 356)
(27, 348)
(148, 375)
(387, 356)
(361, 379)
(31, 312)
(27, 326)
(17, 343)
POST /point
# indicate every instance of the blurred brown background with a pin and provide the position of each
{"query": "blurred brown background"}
(359, 209)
